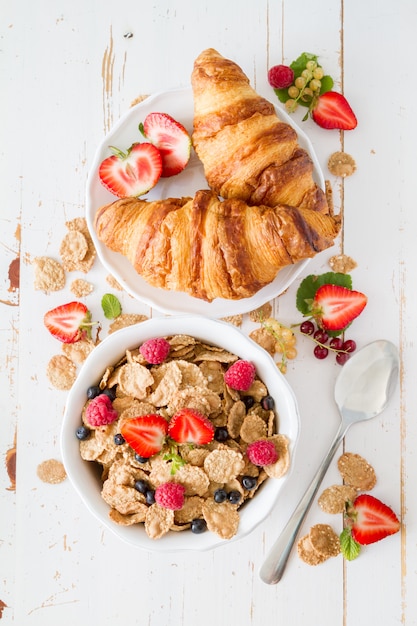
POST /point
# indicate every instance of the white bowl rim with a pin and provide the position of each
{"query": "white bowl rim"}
(205, 329)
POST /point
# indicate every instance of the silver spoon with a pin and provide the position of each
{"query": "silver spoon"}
(362, 391)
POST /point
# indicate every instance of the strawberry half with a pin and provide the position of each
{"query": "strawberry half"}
(69, 322)
(372, 520)
(145, 434)
(171, 139)
(332, 110)
(190, 426)
(133, 173)
(335, 307)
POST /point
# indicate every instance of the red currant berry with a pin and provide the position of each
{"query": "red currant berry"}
(349, 345)
(307, 327)
(320, 352)
(321, 336)
(280, 76)
(342, 357)
(336, 343)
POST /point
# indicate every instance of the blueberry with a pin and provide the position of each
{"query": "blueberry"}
(220, 495)
(119, 439)
(142, 486)
(248, 402)
(82, 433)
(111, 393)
(150, 496)
(249, 482)
(198, 526)
(140, 459)
(93, 391)
(268, 403)
(221, 433)
(234, 496)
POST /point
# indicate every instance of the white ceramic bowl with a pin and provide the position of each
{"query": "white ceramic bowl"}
(85, 476)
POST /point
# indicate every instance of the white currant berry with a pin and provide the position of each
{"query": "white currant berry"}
(307, 75)
(293, 92)
(315, 84)
(311, 65)
(300, 82)
(291, 105)
(318, 73)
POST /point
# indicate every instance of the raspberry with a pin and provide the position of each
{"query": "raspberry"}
(155, 351)
(170, 496)
(262, 452)
(100, 412)
(240, 375)
(280, 76)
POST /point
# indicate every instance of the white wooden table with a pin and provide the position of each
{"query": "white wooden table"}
(69, 70)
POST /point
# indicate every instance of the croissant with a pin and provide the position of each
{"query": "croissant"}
(210, 248)
(246, 150)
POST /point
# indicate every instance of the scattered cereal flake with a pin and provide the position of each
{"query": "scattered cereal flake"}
(261, 313)
(278, 469)
(138, 99)
(324, 540)
(61, 372)
(222, 519)
(128, 520)
(84, 265)
(51, 471)
(236, 320)
(356, 471)
(334, 498)
(73, 247)
(134, 380)
(307, 553)
(253, 428)
(341, 164)
(222, 465)
(265, 339)
(342, 263)
(49, 274)
(78, 352)
(126, 319)
(158, 521)
(113, 282)
(81, 288)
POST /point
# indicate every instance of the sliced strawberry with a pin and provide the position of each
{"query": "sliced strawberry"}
(372, 520)
(171, 139)
(145, 434)
(332, 110)
(335, 307)
(190, 426)
(133, 173)
(69, 322)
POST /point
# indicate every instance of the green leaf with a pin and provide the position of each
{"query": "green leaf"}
(282, 94)
(111, 306)
(299, 65)
(327, 83)
(308, 287)
(348, 546)
(176, 461)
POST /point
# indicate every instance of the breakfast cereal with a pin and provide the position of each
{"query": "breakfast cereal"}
(333, 499)
(49, 274)
(356, 471)
(61, 372)
(217, 476)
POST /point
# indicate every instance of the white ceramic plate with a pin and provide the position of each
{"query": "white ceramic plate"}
(85, 475)
(178, 104)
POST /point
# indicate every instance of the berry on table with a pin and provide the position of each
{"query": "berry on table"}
(320, 352)
(307, 327)
(280, 76)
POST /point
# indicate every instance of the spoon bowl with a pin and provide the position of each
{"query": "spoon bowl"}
(362, 391)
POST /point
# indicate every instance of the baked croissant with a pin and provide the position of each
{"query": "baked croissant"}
(246, 150)
(210, 248)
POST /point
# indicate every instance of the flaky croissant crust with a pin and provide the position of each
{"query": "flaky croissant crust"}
(210, 248)
(246, 150)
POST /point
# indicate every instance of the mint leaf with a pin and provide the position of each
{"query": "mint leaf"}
(111, 306)
(308, 287)
(176, 461)
(348, 546)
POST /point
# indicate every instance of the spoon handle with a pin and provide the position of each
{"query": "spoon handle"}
(274, 565)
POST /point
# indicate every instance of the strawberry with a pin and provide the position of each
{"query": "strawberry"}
(332, 110)
(145, 434)
(372, 520)
(190, 426)
(171, 139)
(132, 173)
(69, 322)
(335, 307)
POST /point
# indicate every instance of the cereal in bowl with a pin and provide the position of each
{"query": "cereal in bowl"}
(172, 436)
